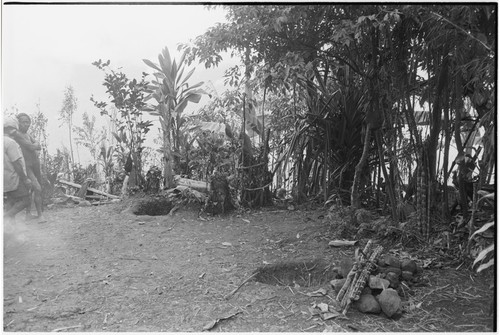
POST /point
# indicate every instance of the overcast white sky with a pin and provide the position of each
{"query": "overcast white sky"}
(45, 48)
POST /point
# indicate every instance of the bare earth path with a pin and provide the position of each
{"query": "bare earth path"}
(100, 269)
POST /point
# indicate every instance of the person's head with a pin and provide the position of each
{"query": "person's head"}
(10, 126)
(24, 122)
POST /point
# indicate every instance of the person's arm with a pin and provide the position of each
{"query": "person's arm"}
(18, 167)
(27, 144)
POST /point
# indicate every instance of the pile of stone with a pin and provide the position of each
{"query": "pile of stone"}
(384, 291)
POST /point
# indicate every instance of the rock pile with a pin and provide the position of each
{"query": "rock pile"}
(384, 290)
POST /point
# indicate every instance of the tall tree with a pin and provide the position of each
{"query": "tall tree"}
(89, 136)
(129, 99)
(66, 113)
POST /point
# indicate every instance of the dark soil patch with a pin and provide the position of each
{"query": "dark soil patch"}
(153, 207)
(304, 274)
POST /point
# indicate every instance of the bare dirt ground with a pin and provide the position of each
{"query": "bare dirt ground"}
(101, 269)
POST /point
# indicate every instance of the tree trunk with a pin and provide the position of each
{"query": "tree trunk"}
(355, 199)
(388, 178)
(165, 120)
(460, 150)
(447, 139)
(71, 143)
(168, 173)
(125, 187)
(435, 120)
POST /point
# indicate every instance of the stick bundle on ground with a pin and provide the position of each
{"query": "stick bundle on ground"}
(358, 276)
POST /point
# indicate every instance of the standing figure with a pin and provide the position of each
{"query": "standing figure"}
(16, 184)
(30, 150)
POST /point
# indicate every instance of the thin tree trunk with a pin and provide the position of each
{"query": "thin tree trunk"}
(389, 182)
(71, 142)
(263, 104)
(435, 121)
(460, 150)
(168, 174)
(355, 198)
(446, 175)
(326, 165)
(78, 153)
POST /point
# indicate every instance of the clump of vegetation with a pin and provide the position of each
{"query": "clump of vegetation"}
(219, 200)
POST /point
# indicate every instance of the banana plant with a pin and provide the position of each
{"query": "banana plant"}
(172, 93)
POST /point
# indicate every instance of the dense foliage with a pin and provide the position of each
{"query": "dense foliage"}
(364, 102)
(128, 98)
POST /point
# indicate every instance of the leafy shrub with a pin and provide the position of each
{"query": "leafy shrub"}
(153, 180)
(484, 239)
(80, 173)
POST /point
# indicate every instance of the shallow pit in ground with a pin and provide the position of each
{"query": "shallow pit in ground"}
(153, 207)
(302, 273)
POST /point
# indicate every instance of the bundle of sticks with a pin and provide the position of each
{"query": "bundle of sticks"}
(357, 278)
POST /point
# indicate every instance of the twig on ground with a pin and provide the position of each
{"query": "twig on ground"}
(279, 281)
(313, 326)
(239, 286)
(305, 266)
(66, 328)
(172, 211)
(434, 290)
(425, 329)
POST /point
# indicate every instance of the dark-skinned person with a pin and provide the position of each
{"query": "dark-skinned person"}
(16, 184)
(30, 149)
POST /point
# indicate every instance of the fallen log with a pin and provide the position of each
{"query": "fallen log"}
(98, 203)
(65, 182)
(201, 186)
(96, 197)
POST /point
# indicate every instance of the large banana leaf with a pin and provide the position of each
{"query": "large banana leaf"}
(194, 97)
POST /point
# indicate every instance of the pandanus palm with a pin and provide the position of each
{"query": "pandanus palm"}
(172, 94)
